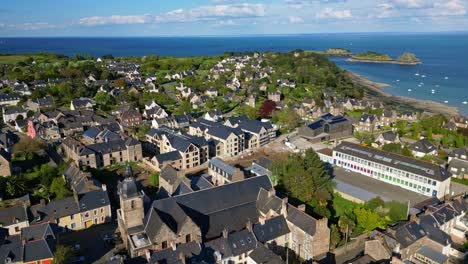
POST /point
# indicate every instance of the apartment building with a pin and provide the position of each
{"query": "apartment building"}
(224, 140)
(177, 149)
(408, 173)
(258, 133)
(223, 173)
(102, 154)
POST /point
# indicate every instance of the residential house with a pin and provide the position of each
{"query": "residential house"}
(131, 118)
(82, 103)
(368, 123)
(9, 99)
(40, 103)
(14, 219)
(422, 148)
(458, 163)
(408, 116)
(78, 212)
(213, 115)
(460, 121)
(11, 114)
(223, 173)
(387, 137)
(275, 96)
(388, 117)
(212, 92)
(35, 244)
(102, 154)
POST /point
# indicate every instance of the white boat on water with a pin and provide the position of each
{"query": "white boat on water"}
(416, 74)
(446, 78)
(409, 90)
(433, 91)
(465, 102)
(419, 85)
(424, 76)
(397, 80)
(446, 102)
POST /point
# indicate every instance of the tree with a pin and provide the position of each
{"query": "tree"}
(287, 117)
(59, 188)
(267, 109)
(367, 220)
(346, 225)
(375, 203)
(335, 236)
(429, 134)
(15, 185)
(27, 146)
(459, 143)
(154, 180)
(142, 130)
(305, 179)
(102, 98)
(63, 254)
(120, 83)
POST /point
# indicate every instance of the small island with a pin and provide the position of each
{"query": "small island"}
(337, 52)
(374, 57)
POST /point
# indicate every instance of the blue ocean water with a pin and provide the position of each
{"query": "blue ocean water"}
(444, 55)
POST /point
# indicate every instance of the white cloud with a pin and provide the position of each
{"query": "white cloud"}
(449, 8)
(337, 14)
(411, 4)
(212, 13)
(33, 26)
(295, 20)
(114, 20)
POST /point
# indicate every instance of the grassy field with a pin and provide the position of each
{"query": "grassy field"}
(38, 57)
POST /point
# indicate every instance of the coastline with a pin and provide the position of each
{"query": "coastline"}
(383, 61)
(374, 91)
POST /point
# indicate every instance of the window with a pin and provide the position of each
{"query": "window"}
(73, 226)
(132, 204)
(17, 229)
(187, 238)
(164, 245)
(95, 212)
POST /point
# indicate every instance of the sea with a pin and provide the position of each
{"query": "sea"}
(442, 76)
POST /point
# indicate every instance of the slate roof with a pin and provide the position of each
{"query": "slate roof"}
(264, 162)
(235, 244)
(128, 188)
(263, 255)
(200, 183)
(267, 201)
(93, 200)
(222, 166)
(408, 234)
(327, 119)
(389, 136)
(9, 216)
(423, 146)
(273, 228)
(169, 256)
(302, 220)
(458, 153)
(11, 247)
(415, 166)
(170, 175)
(432, 254)
(228, 206)
(168, 156)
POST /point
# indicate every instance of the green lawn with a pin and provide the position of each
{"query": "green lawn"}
(461, 181)
(39, 57)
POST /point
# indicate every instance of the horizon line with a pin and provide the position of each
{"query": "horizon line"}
(242, 35)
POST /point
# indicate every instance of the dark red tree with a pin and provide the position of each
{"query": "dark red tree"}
(267, 108)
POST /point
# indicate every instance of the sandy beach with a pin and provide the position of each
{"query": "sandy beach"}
(375, 91)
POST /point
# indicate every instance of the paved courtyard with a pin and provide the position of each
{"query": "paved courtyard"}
(366, 188)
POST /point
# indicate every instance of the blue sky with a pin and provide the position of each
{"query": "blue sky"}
(227, 17)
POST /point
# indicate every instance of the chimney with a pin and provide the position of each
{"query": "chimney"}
(284, 206)
(302, 207)
(261, 219)
(104, 187)
(225, 232)
(271, 192)
(248, 225)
